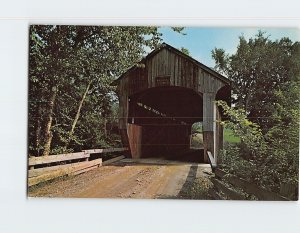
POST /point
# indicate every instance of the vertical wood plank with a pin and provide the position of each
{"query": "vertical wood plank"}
(171, 68)
(188, 75)
(202, 81)
(154, 74)
(160, 63)
(176, 70)
(208, 143)
(183, 70)
(135, 140)
(208, 109)
(148, 65)
(166, 62)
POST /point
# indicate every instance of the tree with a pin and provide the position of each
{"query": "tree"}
(265, 78)
(185, 51)
(69, 63)
(268, 160)
(259, 68)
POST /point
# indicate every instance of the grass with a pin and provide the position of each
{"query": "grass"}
(197, 138)
(229, 137)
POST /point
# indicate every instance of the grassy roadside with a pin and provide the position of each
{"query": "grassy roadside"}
(229, 137)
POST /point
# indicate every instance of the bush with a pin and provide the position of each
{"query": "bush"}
(268, 160)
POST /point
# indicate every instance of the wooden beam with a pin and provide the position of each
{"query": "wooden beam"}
(208, 111)
(208, 143)
(84, 170)
(44, 170)
(64, 171)
(250, 188)
(40, 171)
(106, 150)
(214, 194)
(229, 192)
(57, 158)
(113, 160)
(289, 190)
(212, 161)
(135, 140)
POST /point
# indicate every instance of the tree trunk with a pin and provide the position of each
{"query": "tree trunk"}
(104, 126)
(38, 130)
(48, 133)
(77, 114)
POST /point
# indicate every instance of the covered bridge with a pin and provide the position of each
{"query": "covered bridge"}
(162, 96)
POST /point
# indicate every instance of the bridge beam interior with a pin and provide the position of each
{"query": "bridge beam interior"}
(161, 119)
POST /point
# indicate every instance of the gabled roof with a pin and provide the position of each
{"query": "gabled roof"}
(169, 47)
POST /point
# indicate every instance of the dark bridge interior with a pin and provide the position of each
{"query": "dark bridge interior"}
(162, 118)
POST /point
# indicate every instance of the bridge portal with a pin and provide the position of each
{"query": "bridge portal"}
(162, 96)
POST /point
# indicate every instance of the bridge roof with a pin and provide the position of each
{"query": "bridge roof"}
(178, 52)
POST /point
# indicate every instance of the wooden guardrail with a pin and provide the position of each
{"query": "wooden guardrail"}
(77, 163)
(222, 179)
(212, 160)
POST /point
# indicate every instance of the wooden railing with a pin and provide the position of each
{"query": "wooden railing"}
(54, 166)
(226, 186)
(212, 161)
(229, 184)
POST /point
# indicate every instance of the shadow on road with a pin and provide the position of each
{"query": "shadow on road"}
(190, 179)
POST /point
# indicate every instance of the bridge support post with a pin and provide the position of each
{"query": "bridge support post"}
(209, 124)
(123, 114)
(219, 136)
(208, 143)
(135, 140)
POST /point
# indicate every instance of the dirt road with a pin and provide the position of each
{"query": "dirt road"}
(146, 178)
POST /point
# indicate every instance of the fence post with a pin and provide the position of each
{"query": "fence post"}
(87, 159)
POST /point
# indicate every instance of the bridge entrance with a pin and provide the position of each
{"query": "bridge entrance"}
(163, 117)
(162, 96)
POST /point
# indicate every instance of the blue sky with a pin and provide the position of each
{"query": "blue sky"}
(200, 41)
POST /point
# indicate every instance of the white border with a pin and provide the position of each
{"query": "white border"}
(17, 214)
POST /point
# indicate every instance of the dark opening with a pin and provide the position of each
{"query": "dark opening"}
(165, 116)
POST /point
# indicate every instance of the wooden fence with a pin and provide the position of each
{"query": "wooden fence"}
(229, 186)
(54, 166)
(211, 160)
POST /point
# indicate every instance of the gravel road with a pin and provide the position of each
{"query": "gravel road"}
(145, 178)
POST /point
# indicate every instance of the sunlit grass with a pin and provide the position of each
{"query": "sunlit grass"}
(229, 137)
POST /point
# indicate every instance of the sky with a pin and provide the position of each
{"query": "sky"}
(201, 41)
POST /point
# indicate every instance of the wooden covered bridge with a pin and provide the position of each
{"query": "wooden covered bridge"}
(162, 96)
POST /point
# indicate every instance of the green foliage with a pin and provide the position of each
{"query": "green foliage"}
(197, 127)
(179, 30)
(233, 162)
(265, 78)
(258, 68)
(185, 51)
(242, 159)
(283, 137)
(242, 128)
(197, 140)
(229, 137)
(72, 60)
(221, 59)
(267, 160)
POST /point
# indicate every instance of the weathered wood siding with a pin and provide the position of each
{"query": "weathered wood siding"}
(175, 70)
(208, 111)
(135, 140)
(137, 80)
(168, 67)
